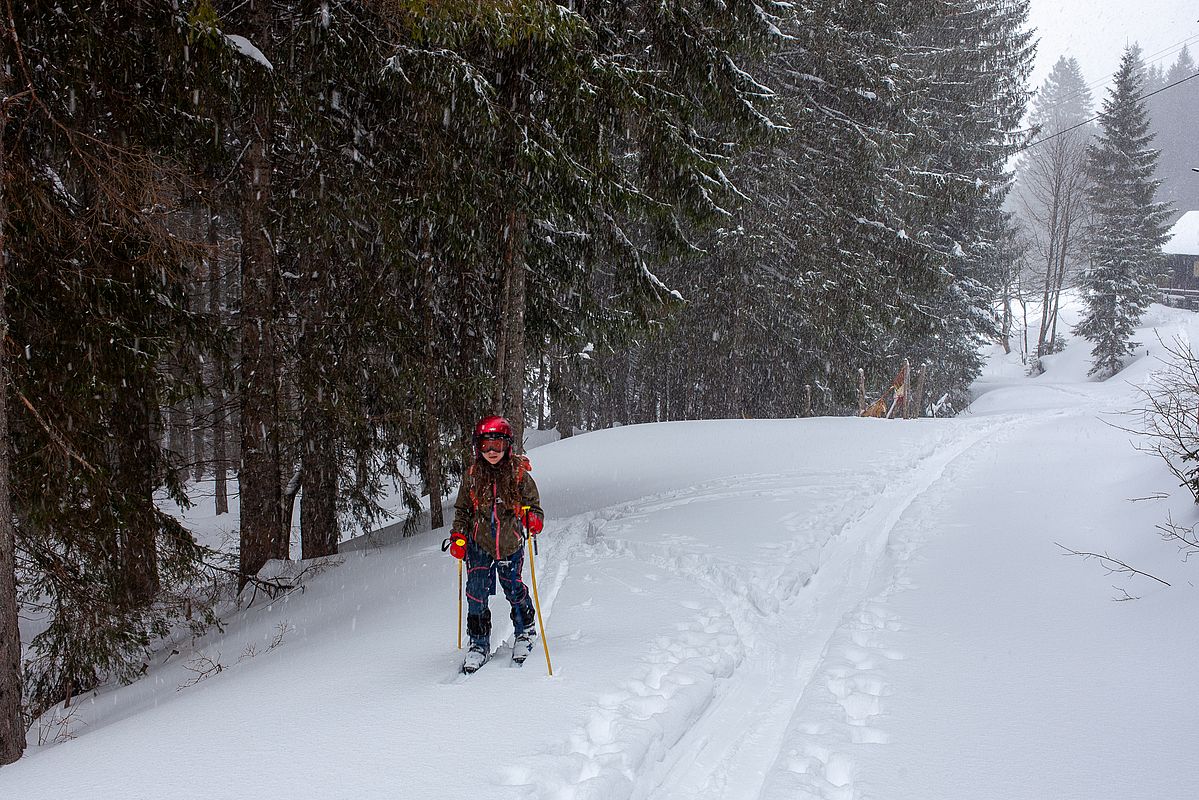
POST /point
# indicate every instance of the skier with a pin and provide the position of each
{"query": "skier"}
(498, 498)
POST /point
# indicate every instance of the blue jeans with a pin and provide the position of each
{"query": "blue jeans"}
(482, 570)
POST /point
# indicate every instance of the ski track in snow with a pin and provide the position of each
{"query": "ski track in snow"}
(756, 650)
(837, 707)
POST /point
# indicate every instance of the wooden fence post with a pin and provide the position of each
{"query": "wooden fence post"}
(907, 389)
(918, 398)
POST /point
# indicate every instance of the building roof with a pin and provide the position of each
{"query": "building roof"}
(1184, 236)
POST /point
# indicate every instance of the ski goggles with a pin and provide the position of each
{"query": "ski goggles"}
(493, 445)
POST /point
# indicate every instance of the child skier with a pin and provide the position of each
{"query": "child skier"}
(498, 499)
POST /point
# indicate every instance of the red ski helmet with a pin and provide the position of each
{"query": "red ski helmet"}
(493, 428)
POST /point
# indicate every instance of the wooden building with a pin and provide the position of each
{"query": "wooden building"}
(1182, 253)
(1180, 283)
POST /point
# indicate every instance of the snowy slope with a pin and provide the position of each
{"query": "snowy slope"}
(824, 608)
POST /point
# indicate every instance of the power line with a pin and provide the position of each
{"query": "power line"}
(1097, 116)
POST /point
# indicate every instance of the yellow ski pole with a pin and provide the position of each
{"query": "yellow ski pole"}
(455, 543)
(537, 602)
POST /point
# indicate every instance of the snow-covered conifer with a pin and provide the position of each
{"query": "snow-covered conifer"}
(1174, 117)
(100, 331)
(1128, 228)
(968, 68)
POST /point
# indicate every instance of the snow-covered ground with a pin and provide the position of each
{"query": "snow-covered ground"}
(827, 608)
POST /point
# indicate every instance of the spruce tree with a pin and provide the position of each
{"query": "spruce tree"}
(1063, 99)
(968, 69)
(98, 320)
(1124, 241)
(1174, 117)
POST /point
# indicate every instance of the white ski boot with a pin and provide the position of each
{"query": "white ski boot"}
(475, 658)
(523, 645)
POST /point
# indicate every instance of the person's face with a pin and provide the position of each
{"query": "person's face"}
(493, 450)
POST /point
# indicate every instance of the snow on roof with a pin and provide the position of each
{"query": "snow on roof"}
(1184, 236)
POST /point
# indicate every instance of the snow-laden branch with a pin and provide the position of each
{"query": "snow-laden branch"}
(244, 46)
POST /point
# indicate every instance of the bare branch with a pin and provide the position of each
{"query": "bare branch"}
(202, 668)
(1186, 538)
(1112, 565)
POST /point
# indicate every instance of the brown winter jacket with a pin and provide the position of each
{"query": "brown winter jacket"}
(476, 499)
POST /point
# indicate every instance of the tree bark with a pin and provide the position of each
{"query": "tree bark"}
(511, 356)
(318, 504)
(465, 365)
(563, 396)
(259, 476)
(287, 511)
(432, 437)
(514, 393)
(139, 548)
(12, 728)
(542, 386)
(199, 406)
(502, 327)
(216, 391)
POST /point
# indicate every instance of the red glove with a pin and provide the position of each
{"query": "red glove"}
(457, 542)
(533, 523)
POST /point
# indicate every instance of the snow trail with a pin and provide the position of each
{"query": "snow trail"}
(758, 635)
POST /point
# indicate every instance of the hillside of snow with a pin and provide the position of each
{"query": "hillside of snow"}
(830, 608)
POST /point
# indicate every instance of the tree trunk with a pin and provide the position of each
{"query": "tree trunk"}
(1047, 299)
(918, 397)
(318, 504)
(1060, 280)
(470, 361)
(542, 385)
(200, 407)
(178, 434)
(287, 511)
(502, 327)
(200, 458)
(511, 356)
(259, 475)
(514, 393)
(563, 396)
(216, 390)
(1005, 327)
(433, 479)
(12, 728)
(1054, 212)
(139, 548)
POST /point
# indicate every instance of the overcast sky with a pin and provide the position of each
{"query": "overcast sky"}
(1096, 32)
